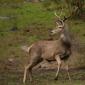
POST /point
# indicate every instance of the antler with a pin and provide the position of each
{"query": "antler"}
(57, 15)
(62, 21)
(60, 24)
(60, 14)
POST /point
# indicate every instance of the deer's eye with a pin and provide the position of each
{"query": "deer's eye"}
(60, 27)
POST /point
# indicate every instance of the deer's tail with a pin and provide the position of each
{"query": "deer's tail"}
(26, 48)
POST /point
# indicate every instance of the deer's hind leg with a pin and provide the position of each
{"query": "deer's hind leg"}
(57, 57)
(67, 69)
(27, 68)
(33, 62)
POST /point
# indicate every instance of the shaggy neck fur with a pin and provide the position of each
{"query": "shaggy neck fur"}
(65, 38)
(66, 42)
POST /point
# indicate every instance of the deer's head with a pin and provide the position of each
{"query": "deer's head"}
(60, 24)
(59, 27)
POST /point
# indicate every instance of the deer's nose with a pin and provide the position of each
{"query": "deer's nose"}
(52, 31)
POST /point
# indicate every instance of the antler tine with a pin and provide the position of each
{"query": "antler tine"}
(60, 14)
(57, 15)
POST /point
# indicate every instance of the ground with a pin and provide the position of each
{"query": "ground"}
(44, 77)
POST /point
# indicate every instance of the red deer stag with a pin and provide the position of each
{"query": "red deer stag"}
(58, 50)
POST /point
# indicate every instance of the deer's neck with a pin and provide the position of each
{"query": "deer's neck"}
(65, 39)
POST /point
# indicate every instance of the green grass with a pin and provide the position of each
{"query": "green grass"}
(28, 14)
(77, 27)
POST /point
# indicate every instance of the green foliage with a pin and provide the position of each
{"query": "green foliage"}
(74, 7)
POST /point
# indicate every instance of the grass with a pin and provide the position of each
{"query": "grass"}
(27, 14)
(25, 17)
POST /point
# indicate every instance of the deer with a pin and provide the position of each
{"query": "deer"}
(50, 50)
